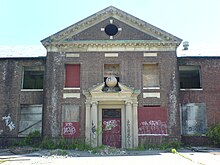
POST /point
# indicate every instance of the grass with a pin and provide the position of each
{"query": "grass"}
(2, 161)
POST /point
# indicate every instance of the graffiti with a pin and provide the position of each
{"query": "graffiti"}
(128, 133)
(9, 122)
(71, 129)
(153, 127)
(111, 132)
(193, 127)
(109, 125)
(93, 128)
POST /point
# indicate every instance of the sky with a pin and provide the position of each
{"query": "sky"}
(27, 22)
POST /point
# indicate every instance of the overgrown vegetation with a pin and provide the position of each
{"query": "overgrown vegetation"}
(34, 140)
(214, 135)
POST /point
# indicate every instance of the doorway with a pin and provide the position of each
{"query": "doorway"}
(111, 127)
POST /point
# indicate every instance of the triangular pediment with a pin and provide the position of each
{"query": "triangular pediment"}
(92, 29)
(96, 92)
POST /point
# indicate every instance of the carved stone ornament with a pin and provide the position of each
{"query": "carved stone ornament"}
(111, 81)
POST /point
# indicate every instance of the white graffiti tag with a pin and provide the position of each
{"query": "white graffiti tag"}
(110, 124)
(153, 127)
(8, 122)
(69, 129)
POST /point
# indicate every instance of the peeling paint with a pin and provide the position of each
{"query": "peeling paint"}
(128, 134)
(173, 102)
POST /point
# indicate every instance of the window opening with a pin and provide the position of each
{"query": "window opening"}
(189, 77)
(33, 77)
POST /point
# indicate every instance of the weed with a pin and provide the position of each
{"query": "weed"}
(214, 134)
(48, 143)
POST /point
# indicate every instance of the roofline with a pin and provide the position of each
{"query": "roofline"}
(198, 57)
(110, 8)
(40, 57)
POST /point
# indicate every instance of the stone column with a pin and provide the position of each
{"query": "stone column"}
(135, 124)
(94, 124)
(88, 123)
(129, 125)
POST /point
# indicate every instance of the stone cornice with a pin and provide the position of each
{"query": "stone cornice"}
(131, 45)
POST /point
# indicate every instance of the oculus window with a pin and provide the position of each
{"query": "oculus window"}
(33, 77)
(111, 29)
(190, 77)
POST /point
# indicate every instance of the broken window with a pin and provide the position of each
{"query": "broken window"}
(72, 76)
(33, 77)
(30, 119)
(193, 118)
(150, 76)
(189, 77)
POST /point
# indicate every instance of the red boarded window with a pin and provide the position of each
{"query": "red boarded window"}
(72, 75)
(152, 121)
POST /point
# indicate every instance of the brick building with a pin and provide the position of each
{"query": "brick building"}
(110, 79)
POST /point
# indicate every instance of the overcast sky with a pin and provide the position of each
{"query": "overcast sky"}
(27, 22)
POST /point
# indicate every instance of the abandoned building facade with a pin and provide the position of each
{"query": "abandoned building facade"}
(110, 79)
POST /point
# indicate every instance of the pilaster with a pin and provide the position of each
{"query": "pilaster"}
(129, 125)
(94, 124)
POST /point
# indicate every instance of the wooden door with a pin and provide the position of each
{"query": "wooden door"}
(111, 127)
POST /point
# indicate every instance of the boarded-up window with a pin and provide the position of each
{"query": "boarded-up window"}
(194, 118)
(30, 119)
(152, 121)
(111, 69)
(150, 75)
(189, 77)
(33, 77)
(70, 119)
(72, 76)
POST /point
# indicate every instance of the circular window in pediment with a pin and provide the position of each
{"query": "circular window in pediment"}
(111, 29)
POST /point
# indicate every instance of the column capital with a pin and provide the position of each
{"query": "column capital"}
(128, 102)
(94, 102)
(88, 102)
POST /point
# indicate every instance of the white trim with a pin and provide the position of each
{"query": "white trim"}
(71, 88)
(111, 54)
(151, 94)
(32, 90)
(191, 89)
(71, 95)
(150, 54)
(153, 135)
(151, 88)
(72, 55)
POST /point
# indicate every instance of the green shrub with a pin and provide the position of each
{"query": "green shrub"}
(33, 139)
(214, 134)
(48, 143)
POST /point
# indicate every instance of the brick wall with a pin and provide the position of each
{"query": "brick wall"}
(11, 96)
(210, 80)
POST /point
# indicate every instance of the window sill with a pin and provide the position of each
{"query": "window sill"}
(151, 88)
(191, 89)
(32, 90)
(71, 88)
